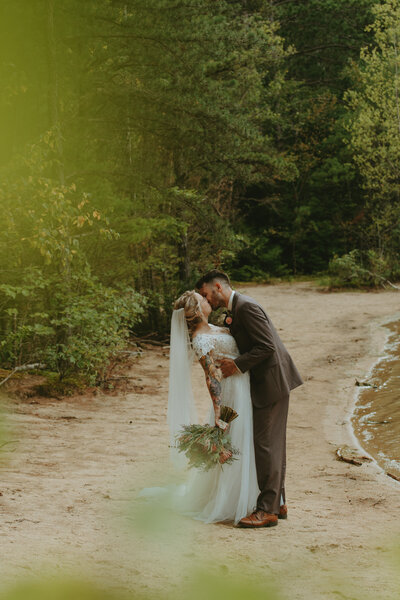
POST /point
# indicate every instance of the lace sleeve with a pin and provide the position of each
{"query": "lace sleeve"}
(202, 345)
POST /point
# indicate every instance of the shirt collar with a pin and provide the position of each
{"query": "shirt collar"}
(231, 300)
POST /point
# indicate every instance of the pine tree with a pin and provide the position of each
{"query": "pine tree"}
(374, 126)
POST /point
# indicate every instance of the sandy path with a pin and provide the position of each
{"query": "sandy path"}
(68, 485)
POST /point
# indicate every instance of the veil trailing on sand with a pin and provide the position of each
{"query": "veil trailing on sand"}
(181, 406)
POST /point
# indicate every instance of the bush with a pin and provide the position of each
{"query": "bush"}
(81, 325)
(362, 269)
(90, 328)
(53, 310)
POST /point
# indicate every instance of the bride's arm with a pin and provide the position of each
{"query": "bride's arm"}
(213, 380)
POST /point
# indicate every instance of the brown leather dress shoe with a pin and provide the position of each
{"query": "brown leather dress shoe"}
(283, 512)
(259, 518)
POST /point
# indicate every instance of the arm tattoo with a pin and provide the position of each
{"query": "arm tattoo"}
(213, 378)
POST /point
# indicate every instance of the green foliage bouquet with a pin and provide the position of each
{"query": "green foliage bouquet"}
(207, 446)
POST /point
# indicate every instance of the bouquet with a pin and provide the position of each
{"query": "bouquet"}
(206, 445)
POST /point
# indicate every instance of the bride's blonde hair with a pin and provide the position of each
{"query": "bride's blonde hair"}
(191, 305)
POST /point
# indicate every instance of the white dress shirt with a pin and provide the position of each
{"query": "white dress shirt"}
(231, 300)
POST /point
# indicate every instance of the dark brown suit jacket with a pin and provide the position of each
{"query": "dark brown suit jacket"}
(272, 371)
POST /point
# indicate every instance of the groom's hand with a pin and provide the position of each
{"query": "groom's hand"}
(228, 367)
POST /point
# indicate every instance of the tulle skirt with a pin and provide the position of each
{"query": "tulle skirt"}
(226, 492)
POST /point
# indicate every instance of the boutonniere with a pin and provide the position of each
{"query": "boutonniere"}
(228, 318)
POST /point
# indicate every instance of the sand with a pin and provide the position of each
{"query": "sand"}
(73, 467)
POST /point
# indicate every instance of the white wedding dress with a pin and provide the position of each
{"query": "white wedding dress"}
(226, 492)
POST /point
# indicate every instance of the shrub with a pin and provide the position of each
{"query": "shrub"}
(362, 269)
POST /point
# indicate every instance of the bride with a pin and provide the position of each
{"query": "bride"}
(226, 493)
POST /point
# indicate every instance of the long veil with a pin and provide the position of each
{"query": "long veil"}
(181, 406)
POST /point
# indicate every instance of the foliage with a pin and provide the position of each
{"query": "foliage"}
(91, 328)
(256, 259)
(197, 103)
(313, 216)
(203, 445)
(374, 127)
(357, 269)
(53, 309)
(375, 118)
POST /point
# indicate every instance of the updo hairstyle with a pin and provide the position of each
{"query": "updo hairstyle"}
(191, 305)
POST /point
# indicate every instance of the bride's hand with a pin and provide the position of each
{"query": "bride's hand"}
(218, 423)
(222, 425)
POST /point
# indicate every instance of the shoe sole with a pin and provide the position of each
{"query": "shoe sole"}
(282, 516)
(270, 524)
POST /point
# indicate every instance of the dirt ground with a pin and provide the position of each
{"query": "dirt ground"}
(72, 468)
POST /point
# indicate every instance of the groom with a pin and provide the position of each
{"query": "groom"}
(272, 376)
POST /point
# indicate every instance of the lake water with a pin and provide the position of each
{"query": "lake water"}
(376, 418)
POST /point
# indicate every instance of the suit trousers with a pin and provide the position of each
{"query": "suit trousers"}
(269, 424)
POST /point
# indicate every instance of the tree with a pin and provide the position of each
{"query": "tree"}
(314, 215)
(374, 127)
(195, 99)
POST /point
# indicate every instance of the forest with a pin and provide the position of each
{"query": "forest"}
(144, 142)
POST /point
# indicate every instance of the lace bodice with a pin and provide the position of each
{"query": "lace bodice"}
(219, 340)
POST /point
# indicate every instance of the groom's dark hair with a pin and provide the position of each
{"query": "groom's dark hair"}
(211, 276)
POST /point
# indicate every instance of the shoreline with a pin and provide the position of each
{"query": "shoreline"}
(384, 354)
(379, 335)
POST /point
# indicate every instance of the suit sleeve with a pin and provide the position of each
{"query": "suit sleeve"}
(258, 329)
